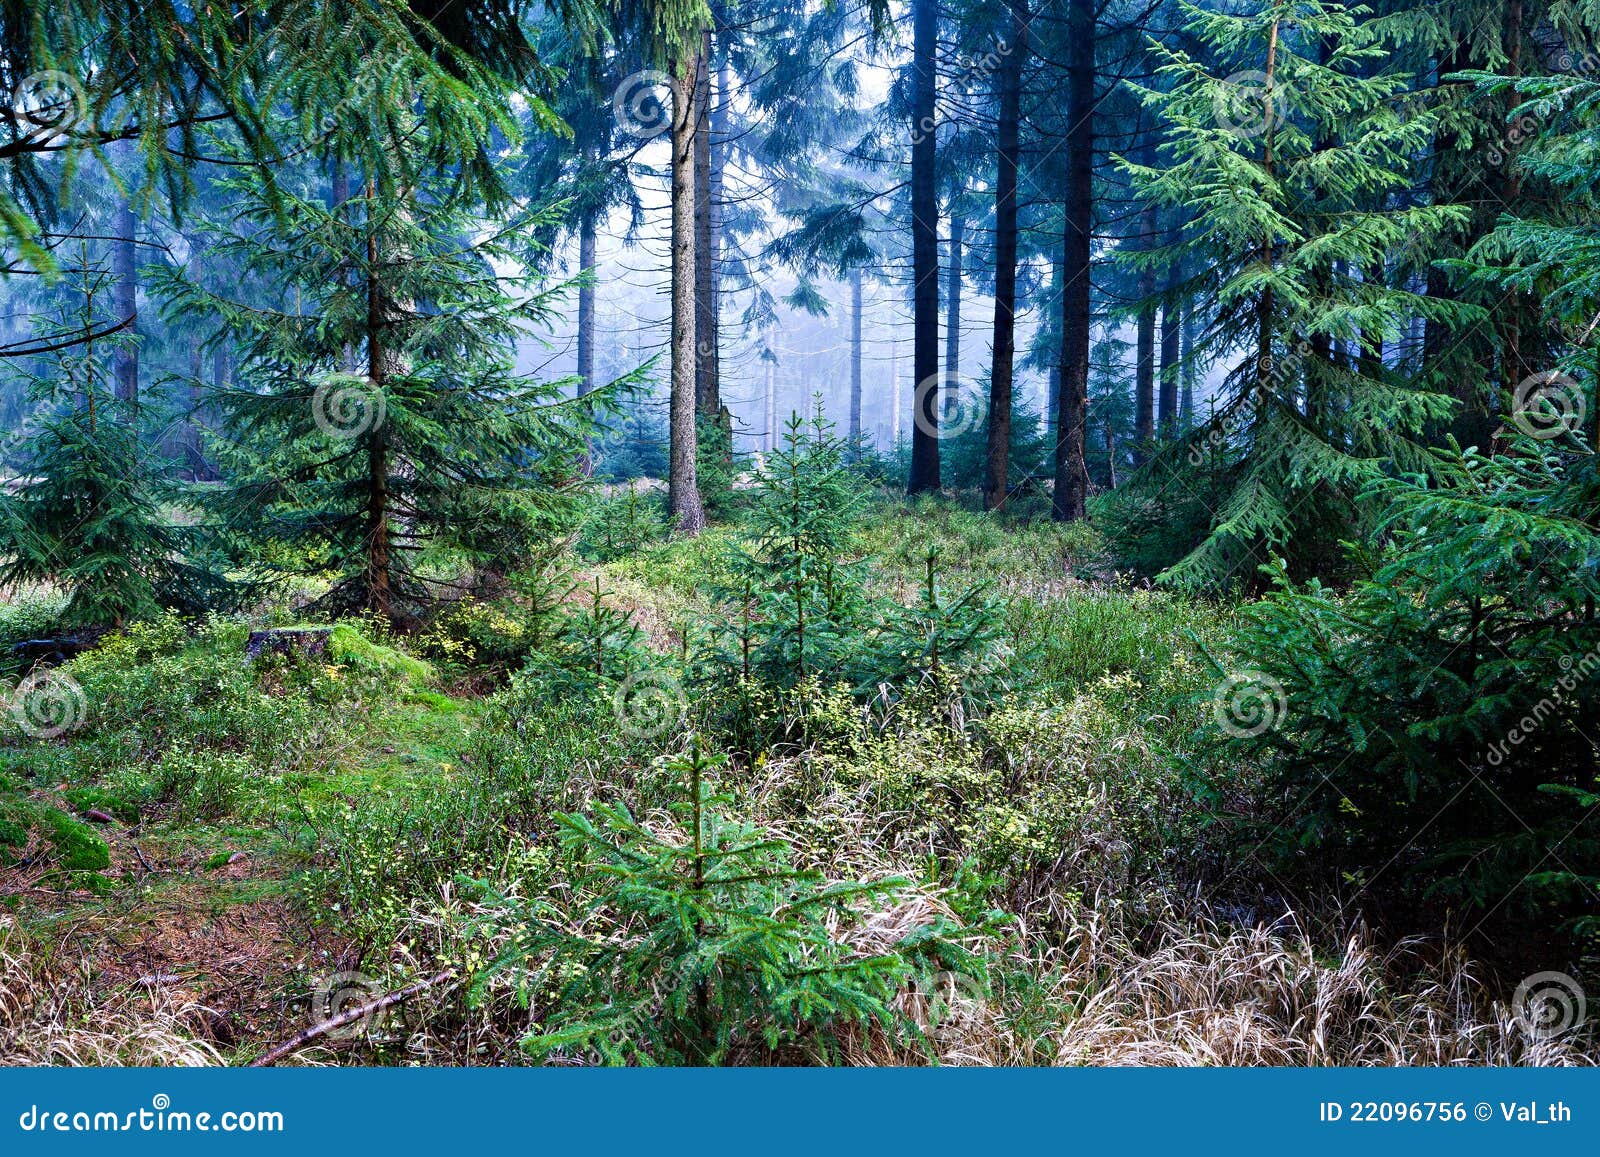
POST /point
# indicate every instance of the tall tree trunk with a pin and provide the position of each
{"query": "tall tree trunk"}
(586, 265)
(1186, 369)
(770, 438)
(380, 311)
(896, 398)
(125, 302)
(924, 251)
(1167, 409)
(707, 388)
(683, 487)
(1072, 417)
(952, 304)
(1144, 365)
(855, 362)
(997, 458)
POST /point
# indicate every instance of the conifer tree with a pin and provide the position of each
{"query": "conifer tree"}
(439, 444)
(88, 516)
(1283, 147)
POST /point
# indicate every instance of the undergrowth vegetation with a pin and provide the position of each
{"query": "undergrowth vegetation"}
(843, 780)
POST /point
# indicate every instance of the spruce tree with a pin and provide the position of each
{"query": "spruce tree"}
(435, 443)
(88, 514)
(1283, 147)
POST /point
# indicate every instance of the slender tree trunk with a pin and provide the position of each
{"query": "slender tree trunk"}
(771, 435)
(952, 304)
(855, 362)
(125, 302)
(1072, 472)
(896, 398)
(683, 488)
(1144, 371)
(1186, 370)
(707, 388)
(587, 261)
(924, 251)
(997, 462)
(1167, 410)
(380, 594)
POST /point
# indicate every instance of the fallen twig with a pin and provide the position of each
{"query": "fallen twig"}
(348, 1016)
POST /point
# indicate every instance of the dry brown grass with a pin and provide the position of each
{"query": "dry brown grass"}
(1203, 994)
(51, 1017)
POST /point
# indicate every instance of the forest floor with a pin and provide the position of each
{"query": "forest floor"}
(276, 832)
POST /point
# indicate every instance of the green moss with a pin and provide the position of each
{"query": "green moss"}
(433, 699)
(98, 799)
(77, 845)
(348, 645)
(90, 882)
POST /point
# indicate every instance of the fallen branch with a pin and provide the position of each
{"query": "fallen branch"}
(349, 1016)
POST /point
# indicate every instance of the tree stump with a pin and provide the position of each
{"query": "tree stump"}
(295, 642)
